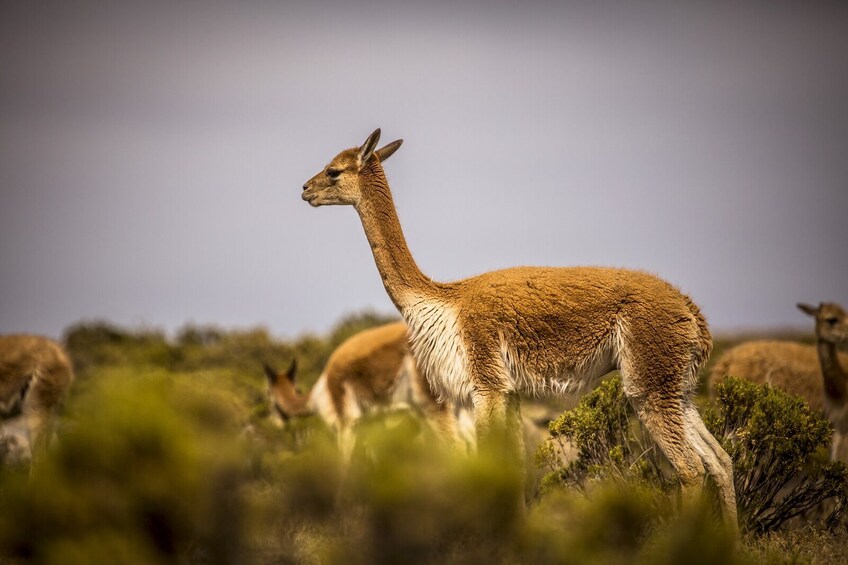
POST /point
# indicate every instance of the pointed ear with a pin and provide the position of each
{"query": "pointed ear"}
(270, 373)
(292, 370)
(368, 147)
(807, 309)
(388, 150)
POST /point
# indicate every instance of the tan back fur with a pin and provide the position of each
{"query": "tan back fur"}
(484, 339)
(789, 366)
(35, 373)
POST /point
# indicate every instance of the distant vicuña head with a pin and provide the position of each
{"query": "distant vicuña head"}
(831, 321)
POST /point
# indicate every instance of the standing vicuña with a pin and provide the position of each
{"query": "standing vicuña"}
(485, 339)
(371, 370)
(815, 372)
(34, 375)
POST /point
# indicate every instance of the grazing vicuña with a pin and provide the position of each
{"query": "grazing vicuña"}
(372, 370)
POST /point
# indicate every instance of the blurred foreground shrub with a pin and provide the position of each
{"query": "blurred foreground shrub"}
(407, 499)
(144, 472)
(621, 522)
(778, 448)
(151, 469)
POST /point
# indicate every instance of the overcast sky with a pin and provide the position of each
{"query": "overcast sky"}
(152, 158)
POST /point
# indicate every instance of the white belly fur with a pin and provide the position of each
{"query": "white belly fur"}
(556, 379)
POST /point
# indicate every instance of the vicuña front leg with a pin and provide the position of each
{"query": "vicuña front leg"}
(497, 418)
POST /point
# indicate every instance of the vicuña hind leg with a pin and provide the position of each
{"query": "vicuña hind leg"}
(718, 464)
(663, 416)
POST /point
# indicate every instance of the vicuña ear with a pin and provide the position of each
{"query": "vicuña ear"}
(388, 150)
(807, 309)
(270, 373)
(368, 147)
(292, 370)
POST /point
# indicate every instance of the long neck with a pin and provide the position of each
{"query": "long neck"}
(835, 377)
(402, 278)
(302, 406)
(293, 405)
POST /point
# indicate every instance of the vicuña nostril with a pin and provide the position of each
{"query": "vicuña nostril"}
(305, 187)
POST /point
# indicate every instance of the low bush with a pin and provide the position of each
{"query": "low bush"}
(776, 442)
(779, 451)
(610, 443)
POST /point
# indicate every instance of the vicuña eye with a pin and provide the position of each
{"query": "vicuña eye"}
(334, 173)
(832, 321)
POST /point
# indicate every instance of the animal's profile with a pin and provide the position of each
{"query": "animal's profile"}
(818, 373)
(371, 370)
(35, 373)
(484, 340)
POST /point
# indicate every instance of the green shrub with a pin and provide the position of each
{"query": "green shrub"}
(778, 447)
(609, 442)
(775, 440)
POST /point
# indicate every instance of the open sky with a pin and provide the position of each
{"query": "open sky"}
(152, 157)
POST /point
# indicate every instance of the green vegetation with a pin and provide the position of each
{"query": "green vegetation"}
(778, 446)
(779, 450)
(167, 453)
(609, 440)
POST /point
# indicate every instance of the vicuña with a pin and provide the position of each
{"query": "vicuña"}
(484, 340)
(372, 370)
(34, 375)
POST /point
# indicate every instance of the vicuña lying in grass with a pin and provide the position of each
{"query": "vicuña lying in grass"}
(484, 340)
(815, 372)
(372, 370)
(34, 375)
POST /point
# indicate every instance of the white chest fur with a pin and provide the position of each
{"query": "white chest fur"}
(436, 341)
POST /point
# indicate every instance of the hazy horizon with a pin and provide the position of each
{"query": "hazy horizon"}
(152, 158)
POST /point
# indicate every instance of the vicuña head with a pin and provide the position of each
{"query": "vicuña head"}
(831, 321)
(339, 182)
(483, 340)
(286, 398)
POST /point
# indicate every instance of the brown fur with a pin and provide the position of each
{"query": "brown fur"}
(35, 373)
(485, 339)
(789, 366)
(817, 373)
